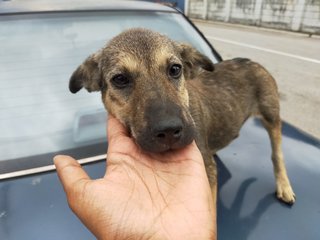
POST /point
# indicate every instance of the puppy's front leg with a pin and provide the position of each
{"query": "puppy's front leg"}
(211, 170)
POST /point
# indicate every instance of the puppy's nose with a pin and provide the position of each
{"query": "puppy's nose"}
(168, 131)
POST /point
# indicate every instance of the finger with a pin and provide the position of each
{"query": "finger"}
(194, 148)
(70, 172)
(115, 128)
(189, 152)
(191, 149)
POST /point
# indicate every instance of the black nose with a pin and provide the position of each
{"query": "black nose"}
(168, 131)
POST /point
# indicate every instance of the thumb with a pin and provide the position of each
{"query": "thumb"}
(70, 173)
(115, 129)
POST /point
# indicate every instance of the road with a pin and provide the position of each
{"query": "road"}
(293, 59)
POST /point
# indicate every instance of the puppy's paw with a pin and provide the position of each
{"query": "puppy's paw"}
(285, 194)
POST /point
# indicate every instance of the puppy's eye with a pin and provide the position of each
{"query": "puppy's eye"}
(175, 70)
(120, 81)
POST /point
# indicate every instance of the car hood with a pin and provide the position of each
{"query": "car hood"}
(35, 207)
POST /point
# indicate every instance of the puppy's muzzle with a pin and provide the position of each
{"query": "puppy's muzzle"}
(166, 128)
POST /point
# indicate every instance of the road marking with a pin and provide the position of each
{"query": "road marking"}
(265, 49)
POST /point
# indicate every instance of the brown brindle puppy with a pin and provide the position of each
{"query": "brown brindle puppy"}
(167, 94)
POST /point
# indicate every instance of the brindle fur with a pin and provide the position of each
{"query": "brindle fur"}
(209, 102)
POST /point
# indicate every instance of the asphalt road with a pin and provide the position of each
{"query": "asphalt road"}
(293, 59)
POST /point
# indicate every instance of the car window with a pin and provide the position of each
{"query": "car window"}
(38, 114)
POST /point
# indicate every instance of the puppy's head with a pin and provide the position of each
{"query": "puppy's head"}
(141, 75)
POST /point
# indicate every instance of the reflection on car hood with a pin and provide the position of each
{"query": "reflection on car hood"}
(247, 206)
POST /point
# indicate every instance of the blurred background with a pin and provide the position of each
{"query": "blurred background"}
(293, 15)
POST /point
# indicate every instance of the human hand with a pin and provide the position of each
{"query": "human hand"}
(142, 195)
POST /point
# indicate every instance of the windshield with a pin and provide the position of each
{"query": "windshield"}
(39, 117)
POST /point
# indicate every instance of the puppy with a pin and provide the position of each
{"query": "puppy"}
(167, 94)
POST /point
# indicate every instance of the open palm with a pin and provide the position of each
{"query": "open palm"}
(142, 195)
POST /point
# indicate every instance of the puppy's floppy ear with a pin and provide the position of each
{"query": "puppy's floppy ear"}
(87, 75)
(194, 60)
